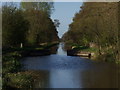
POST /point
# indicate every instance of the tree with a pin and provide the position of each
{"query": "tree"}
(97, 23)
(56, 22)
(46, 7)
(42, 28)
(14, 26)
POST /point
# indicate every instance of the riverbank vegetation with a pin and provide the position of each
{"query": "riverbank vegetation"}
(96, 25)
(26, 27)
(10, 71)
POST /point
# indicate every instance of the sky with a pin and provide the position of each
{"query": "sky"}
(64, 12)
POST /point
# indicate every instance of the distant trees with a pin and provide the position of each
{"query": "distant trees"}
(56, 22)
(96, 23)
(30, 24)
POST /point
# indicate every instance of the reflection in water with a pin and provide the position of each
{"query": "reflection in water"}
(65, 79)
(92, 78)
(100, 78)
(72, 72)
(54, 49)
(83, 79)
(60, 50)
(43, 79)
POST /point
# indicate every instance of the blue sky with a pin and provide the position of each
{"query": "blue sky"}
(64, 12)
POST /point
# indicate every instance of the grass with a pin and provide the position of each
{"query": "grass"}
(11, 62)
(11, 75)
(82, 48)
(18, 80)
(29, 48)
(85, 48)
(107, 57)
(90, 49)
(107, 54)
(40, 77)
(1, 83)
(118, 62)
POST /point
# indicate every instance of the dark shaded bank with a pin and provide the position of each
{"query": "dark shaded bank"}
(39, 50)
(81, 51)
(39, 53)
(74, 52)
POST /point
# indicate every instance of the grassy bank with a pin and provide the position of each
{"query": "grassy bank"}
(106, 55)
(11, 68)
(29, 48)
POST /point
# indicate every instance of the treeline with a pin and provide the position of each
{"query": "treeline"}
(97, 23)
(28, 23)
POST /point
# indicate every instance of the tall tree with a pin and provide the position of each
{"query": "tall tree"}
(14, 26)
(42, 28)
(47, 7)
(97, 23)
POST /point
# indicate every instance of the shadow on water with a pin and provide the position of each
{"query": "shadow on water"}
(62, 71)
(61, 50)
(54, 49)
(58, 49)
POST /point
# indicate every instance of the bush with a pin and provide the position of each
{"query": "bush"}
(7, 56)
(11, 66)
(18, 80)
(108, 57)
(11, 63)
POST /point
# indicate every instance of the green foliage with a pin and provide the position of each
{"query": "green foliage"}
(96, 23)
(14, 26)
(117, 62)
(107, 57)
(11, 63)
(46, 7)
(0, 82)
(42, 28)
(30, 25)
(14, 54)
(18, 80)
(91, 50)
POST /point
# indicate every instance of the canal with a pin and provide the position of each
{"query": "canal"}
(61, 71)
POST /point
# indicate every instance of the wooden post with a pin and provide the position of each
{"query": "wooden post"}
(21, 45)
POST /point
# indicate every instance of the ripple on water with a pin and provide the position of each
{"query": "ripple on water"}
(72, 72)
(57, 62)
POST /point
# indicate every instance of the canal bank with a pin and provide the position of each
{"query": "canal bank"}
(61, 71)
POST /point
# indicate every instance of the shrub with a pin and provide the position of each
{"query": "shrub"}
(19, 80)
(11, 63)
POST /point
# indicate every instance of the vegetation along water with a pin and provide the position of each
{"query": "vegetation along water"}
(87, 56)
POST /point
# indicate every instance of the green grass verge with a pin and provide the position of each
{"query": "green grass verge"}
(29, 48)
(86, 48)
(18, 80)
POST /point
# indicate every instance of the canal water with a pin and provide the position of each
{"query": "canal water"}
(62, 71)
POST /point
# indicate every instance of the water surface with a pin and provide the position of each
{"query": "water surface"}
(62, 71)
